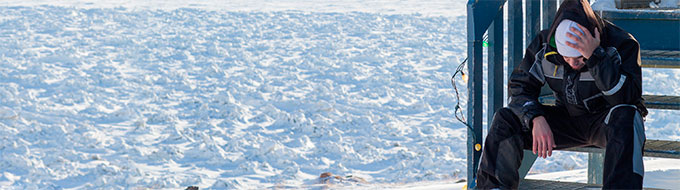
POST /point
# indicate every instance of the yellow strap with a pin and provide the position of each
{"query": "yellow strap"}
(549, 53)
(546, 56)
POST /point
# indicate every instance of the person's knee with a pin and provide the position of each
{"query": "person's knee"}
(505, 123)
(620, 124)
(621, 118)
(503, 114)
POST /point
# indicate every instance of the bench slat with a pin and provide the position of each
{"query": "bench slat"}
(662, 102)
(653, 148)
(660, 59)
(651, 101)
(549, 185)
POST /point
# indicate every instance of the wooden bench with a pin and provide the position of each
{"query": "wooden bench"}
(660, 59)
(651, 101)
(550, 185)
(653, 148)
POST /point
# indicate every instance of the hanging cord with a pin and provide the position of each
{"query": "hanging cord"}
(457, 109)
(457, 112)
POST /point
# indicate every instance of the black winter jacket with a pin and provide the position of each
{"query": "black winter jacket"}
(612, 75)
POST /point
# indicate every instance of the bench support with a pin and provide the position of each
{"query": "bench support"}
(595, 166)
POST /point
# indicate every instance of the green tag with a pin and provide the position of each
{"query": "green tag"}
(485, 44)
(552, 41)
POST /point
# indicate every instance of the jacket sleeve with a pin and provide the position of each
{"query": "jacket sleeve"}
(617, 73)
(524, 88)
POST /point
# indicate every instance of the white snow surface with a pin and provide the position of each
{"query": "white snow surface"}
(450, 8)
(169, 94)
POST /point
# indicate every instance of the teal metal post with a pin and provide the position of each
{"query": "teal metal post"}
(595, 167)
(474, 113)
(527, 161)
(549, 9)
(515, 35)
(495, 64)
(533, 16)
(517, 53)
(478, 20)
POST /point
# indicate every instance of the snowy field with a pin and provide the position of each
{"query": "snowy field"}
(242, 95)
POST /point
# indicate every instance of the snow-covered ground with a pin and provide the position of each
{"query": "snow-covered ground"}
(242, 94)
(449, 8)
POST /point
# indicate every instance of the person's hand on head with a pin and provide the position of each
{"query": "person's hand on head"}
(584, 42)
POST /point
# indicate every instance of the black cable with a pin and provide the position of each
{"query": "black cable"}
(455, 89)
(457, 112)
(461, 118)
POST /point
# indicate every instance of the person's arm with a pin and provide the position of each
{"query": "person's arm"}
(617, 72)
(524, 88)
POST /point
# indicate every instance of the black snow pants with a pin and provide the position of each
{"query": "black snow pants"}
(619, 130)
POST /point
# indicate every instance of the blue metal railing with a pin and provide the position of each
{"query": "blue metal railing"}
(487, 16)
